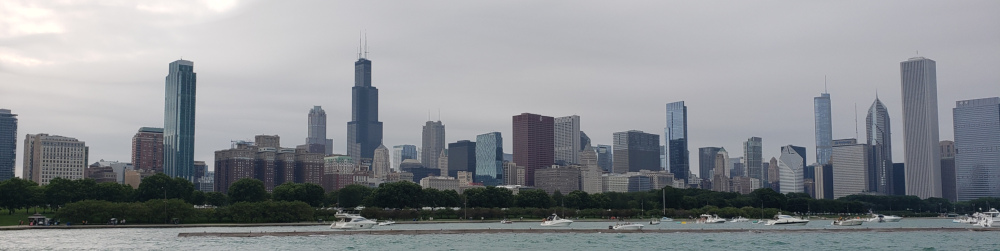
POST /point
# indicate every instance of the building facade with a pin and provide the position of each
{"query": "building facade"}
(676, 134)
(432, 144)
(381, 163)
(636, 150)
(489, 159)
(8, 144)
(364, 131)
(920, 127)
(271, 165)
(977, 148)
(316, 134)
(461, 157)
(605, 158)
(824, 128)
(178, 120)
(401, 153)
(147, 149)
(706, 161)
(567, 139)
(590, 173)
(49, 156)
(533, 143)
(879, 137)
(791, 165)
(753, 157)
(948, 171)
(851, 164)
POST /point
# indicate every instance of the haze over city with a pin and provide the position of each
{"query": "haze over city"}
(95, 71)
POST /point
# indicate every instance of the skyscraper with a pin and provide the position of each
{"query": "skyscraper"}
(317, 131)
(920, 127)
(791, 165)
(851, 164)
(824, 128)
(775, 173)
(534, 145)
(977, 143)
(401, 153)
(461, 157)
(364, 132)
(636, 150)
(706, 161)
(590, 173)
(880, 178)
(381, 162)
(753, 155)
(604, 157)
(8, 144)
(567, 139)
(147, 149)
(677, 156)
(433, 144)
(948, 171)
(178, 121)
(489, 159)
(49, 156)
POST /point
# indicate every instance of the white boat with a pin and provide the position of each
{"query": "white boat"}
(654, 222)
(880, 218)
(848, 222)
(739, 219)
(352, 221)
(627, 226)
(710, 219)
(555, 221)
(506, 221)
(993, 213)
(666, 219)
(387, 223)
(782, 219)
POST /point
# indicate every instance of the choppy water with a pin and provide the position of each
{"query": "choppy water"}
(166, 238)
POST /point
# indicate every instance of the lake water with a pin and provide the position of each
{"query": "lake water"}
(166, 238)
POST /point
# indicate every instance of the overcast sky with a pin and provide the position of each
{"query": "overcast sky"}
(95, 70)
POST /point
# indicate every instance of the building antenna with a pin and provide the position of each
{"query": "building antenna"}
(855, 120)
(366, 44)
(439, 114)
(359, 43)
(824, 85)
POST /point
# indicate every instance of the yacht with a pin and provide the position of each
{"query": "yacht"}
(885, 218)
(654, 222)
(710, 219)
(506, 221)
(387, 223)
(352, 221)
(782, 219)
(626, 226)
(848, 222)
(739, 219)
(993, 213)
(555, 221)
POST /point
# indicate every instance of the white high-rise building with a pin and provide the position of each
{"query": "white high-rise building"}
(791, 165)
(851, 164)
(590, 173)
(921, 157)
(49, 156)
(567, 139)
(977, 146)
(381, 162)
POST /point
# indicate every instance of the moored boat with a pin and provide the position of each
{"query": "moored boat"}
(626, 226)
(782, 219)
(555, 221)
(352, 221)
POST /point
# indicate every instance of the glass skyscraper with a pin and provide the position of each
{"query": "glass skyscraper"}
(489, 159)
(567, 139)
(317, 132)
(753, 156)
(604, 157)
(8, 144)
(677, 157)
(977, 146)
(178, 121)
(792, 165)
(880, 177)
(364, 131)
(824, 128)
(636, 150)
(921, 157)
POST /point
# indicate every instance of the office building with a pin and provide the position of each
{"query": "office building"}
(737, 168)
(147, 149)
(489, 159)
(677, 156)
(317, 132)
(381, 163)
(948, 179)
(49, 156)
(442, 162)
(774, 172)
(753, 157)
(401, 153)
(706, 161)
(178, 121)
(513, 174)
(266, 161)
(920, 127)
(720, 176)
(977, 148)
(881, 176)
(791, 165)
(440, 183)
(432, 144)
(461, 157)
(8, 144)
(564, 179)
(590, 173)
(567, 139)
(636, 150)
(533, 143)
(604, 157)
(364, 131)
(824, 127)
(851, 164)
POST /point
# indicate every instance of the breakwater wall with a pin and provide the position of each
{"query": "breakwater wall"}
(571, 231)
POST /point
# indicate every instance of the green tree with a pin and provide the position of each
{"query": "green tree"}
(248, 190)
(398, 195)
(216, 199)
(16, 193)
(579, 200)
(198, 197)
(113, 192)
(352, 195)
(309, 193)
(769, 198)
(533, 198)
(60, 191)
(160, 185)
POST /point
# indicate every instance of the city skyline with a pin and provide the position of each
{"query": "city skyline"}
(854, 77)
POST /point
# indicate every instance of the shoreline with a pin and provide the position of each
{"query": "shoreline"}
(573, 231)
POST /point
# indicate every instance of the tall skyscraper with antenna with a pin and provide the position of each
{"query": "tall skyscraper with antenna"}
(880, 177)
(317, 131)
(364, 131)
(824, 127)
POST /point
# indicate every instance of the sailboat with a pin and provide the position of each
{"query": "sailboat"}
(665, 218)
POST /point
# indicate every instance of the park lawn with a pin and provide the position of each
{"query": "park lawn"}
(19, 215)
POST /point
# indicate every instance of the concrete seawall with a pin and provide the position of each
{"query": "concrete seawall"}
(574, 231)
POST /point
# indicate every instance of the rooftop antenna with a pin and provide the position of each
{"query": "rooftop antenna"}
(360, 36)
(824, 85)
(855, 120)
(366, 44)
(439, 114)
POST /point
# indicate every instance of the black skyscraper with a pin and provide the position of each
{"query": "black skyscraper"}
(364, 132)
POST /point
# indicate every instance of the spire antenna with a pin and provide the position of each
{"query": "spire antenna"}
(824, 85)
(366, 43)
(855, 120)
(359, 43)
